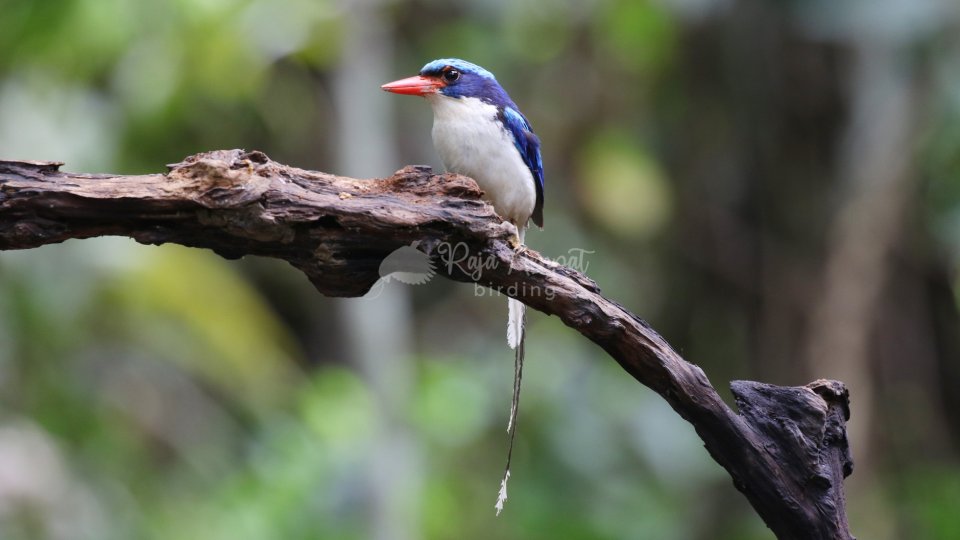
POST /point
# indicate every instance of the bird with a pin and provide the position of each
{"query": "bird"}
(479, 132)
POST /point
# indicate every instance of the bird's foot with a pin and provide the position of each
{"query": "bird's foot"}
(515, 241)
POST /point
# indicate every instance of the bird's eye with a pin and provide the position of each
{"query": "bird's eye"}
(451, 75)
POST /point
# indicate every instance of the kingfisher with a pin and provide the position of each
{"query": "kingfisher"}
(480, 132)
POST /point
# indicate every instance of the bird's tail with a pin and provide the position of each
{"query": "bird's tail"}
(514, 409)
(516, 333)
(515, 322)
(516, 309)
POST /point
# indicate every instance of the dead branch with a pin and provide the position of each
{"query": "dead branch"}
(786, 451)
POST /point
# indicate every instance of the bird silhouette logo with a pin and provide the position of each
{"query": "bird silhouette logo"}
(408, 265)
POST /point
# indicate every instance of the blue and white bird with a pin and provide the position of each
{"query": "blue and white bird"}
(479, 132)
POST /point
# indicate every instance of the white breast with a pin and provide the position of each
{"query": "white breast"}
(472, 142)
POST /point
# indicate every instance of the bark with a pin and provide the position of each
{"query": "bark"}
(786, 451)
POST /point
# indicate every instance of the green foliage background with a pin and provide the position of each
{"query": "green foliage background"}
(691, 147)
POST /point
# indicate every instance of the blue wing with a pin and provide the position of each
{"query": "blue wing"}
(528, 145)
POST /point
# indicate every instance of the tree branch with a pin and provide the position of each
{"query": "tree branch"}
(786, 450)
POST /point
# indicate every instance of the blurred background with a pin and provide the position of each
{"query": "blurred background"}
(774, 186)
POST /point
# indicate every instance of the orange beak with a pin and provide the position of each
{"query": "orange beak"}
(414, 86)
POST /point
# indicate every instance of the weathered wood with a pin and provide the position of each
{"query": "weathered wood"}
(804, 429)
(786, 451)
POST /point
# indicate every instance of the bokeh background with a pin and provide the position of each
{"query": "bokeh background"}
(774, 186)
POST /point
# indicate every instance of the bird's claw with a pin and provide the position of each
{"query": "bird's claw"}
(514, 240)
(519, 248)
